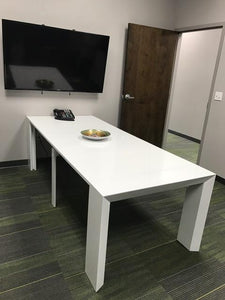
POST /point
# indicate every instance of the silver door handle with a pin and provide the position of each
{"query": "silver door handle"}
(128, 97)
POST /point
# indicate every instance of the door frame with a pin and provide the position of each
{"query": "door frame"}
(210, 98)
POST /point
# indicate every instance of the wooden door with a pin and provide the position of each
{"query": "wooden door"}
(148, 71)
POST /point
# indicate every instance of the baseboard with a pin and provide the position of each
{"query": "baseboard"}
(220, 179)
(190, 138)
(13, 163)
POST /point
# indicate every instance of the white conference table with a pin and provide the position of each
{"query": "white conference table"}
(121, 167)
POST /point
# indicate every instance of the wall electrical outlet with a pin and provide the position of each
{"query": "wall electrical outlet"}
(218, 96)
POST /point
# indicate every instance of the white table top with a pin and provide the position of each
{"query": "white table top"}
(120, 164)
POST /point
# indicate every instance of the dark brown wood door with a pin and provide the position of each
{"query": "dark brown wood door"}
(148, 71)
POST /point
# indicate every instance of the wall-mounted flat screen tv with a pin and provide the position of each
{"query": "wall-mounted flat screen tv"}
(39, 57)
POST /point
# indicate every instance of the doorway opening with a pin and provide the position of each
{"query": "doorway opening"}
(191, 85)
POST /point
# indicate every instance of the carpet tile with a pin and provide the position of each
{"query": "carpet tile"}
(42, 248)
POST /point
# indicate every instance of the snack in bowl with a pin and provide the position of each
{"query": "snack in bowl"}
(95, 134)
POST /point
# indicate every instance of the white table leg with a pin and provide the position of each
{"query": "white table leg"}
(194, 214)
(32, 148)
(97, 234)
(54, 155)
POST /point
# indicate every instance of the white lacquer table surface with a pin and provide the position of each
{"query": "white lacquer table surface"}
(120, 167)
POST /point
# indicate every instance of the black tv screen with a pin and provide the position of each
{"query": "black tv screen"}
(39, 57)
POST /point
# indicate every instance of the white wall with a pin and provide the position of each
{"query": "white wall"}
(199, 12)
(108, 17)
(192, 83)
(213, 150)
